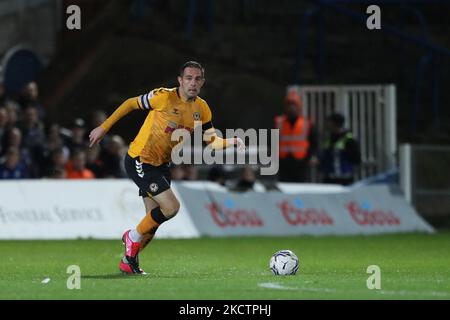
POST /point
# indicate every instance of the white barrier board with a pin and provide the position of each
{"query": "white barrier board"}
(101, 209)
(104, 209)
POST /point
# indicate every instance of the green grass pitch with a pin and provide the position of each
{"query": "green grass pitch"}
(413, 266)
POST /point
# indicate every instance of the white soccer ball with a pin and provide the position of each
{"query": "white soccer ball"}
(284, 262)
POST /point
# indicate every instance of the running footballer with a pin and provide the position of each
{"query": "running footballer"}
(148, 157)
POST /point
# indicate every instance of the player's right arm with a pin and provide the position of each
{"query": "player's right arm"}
(98, 133)
(154, 100)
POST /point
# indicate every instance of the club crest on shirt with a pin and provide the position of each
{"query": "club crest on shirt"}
(154, 187)
(197, 116)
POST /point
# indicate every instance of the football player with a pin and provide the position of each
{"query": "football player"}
(149, 155)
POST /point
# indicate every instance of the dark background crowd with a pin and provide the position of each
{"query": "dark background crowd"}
(32, 148)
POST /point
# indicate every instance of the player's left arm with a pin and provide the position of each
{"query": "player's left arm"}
(210, 135)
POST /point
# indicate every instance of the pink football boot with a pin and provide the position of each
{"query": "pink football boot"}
(129, 264)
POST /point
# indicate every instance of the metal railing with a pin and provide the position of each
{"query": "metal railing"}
(370, 112)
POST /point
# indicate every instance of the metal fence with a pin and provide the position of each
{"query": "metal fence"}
(370, 113)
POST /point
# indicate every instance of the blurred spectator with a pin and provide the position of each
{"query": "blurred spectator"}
(55, 139)
(217, 174)
(93, 161)
(97, 118)
(2, 94)
(298, 141)
(12, 110)
(77, 139)
(3, 125)
(76, 167)
(58, 173)
(12, 167)
(246, 181)
(13, 138)
(32, 128)
(190, 172)
(341, 154)
(30, 97)
(112, 158)
(33, 135)
(56, 163)
(177, 173)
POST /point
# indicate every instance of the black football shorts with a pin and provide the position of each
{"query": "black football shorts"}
(151, 180)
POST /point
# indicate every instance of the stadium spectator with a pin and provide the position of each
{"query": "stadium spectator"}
(13, 138)
(341, 154)
(32, 129)
(77, 139)
(2, 94)
(56, 163)
(30, 97)
(76, 167)
(12, 167)
(12, 109)
(218, 175)
(298, 141)
(177, 173)
(3, 124)
(58, 173)
(97, 118)
(190, 172)
(33, 136)
(112, 158)
(246, 181)
(93, 161)
(55, 139)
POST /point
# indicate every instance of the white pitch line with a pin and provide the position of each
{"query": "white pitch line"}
(277, 286)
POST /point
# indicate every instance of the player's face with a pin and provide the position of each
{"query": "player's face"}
(191, 82)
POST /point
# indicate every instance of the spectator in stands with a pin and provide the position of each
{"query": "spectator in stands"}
(97, 118)
(341, 154)
(3, 125)
(55, 139)
(2, 94)
(76, 167)
(33, 136)
(298, 141)
(177, 173)
(32, 128)
(58, 160)
(190, 172)
(112, 158)
(12, 167)
(58, 173)
(93, 161)
(30, 97)
(12, 109)
(77, 139)
(246, 180)
(13, 138)
(218, 175)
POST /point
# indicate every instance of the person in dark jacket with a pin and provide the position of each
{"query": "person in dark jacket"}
(341, 155)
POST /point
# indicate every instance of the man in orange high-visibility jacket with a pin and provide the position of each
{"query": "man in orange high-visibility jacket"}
(298, 141)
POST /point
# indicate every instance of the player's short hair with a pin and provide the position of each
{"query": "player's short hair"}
(337, 118)
(192, 64)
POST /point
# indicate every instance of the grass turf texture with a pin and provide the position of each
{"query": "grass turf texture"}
(413, 266)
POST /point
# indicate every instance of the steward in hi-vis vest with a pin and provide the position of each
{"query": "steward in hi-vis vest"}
(298, 141)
